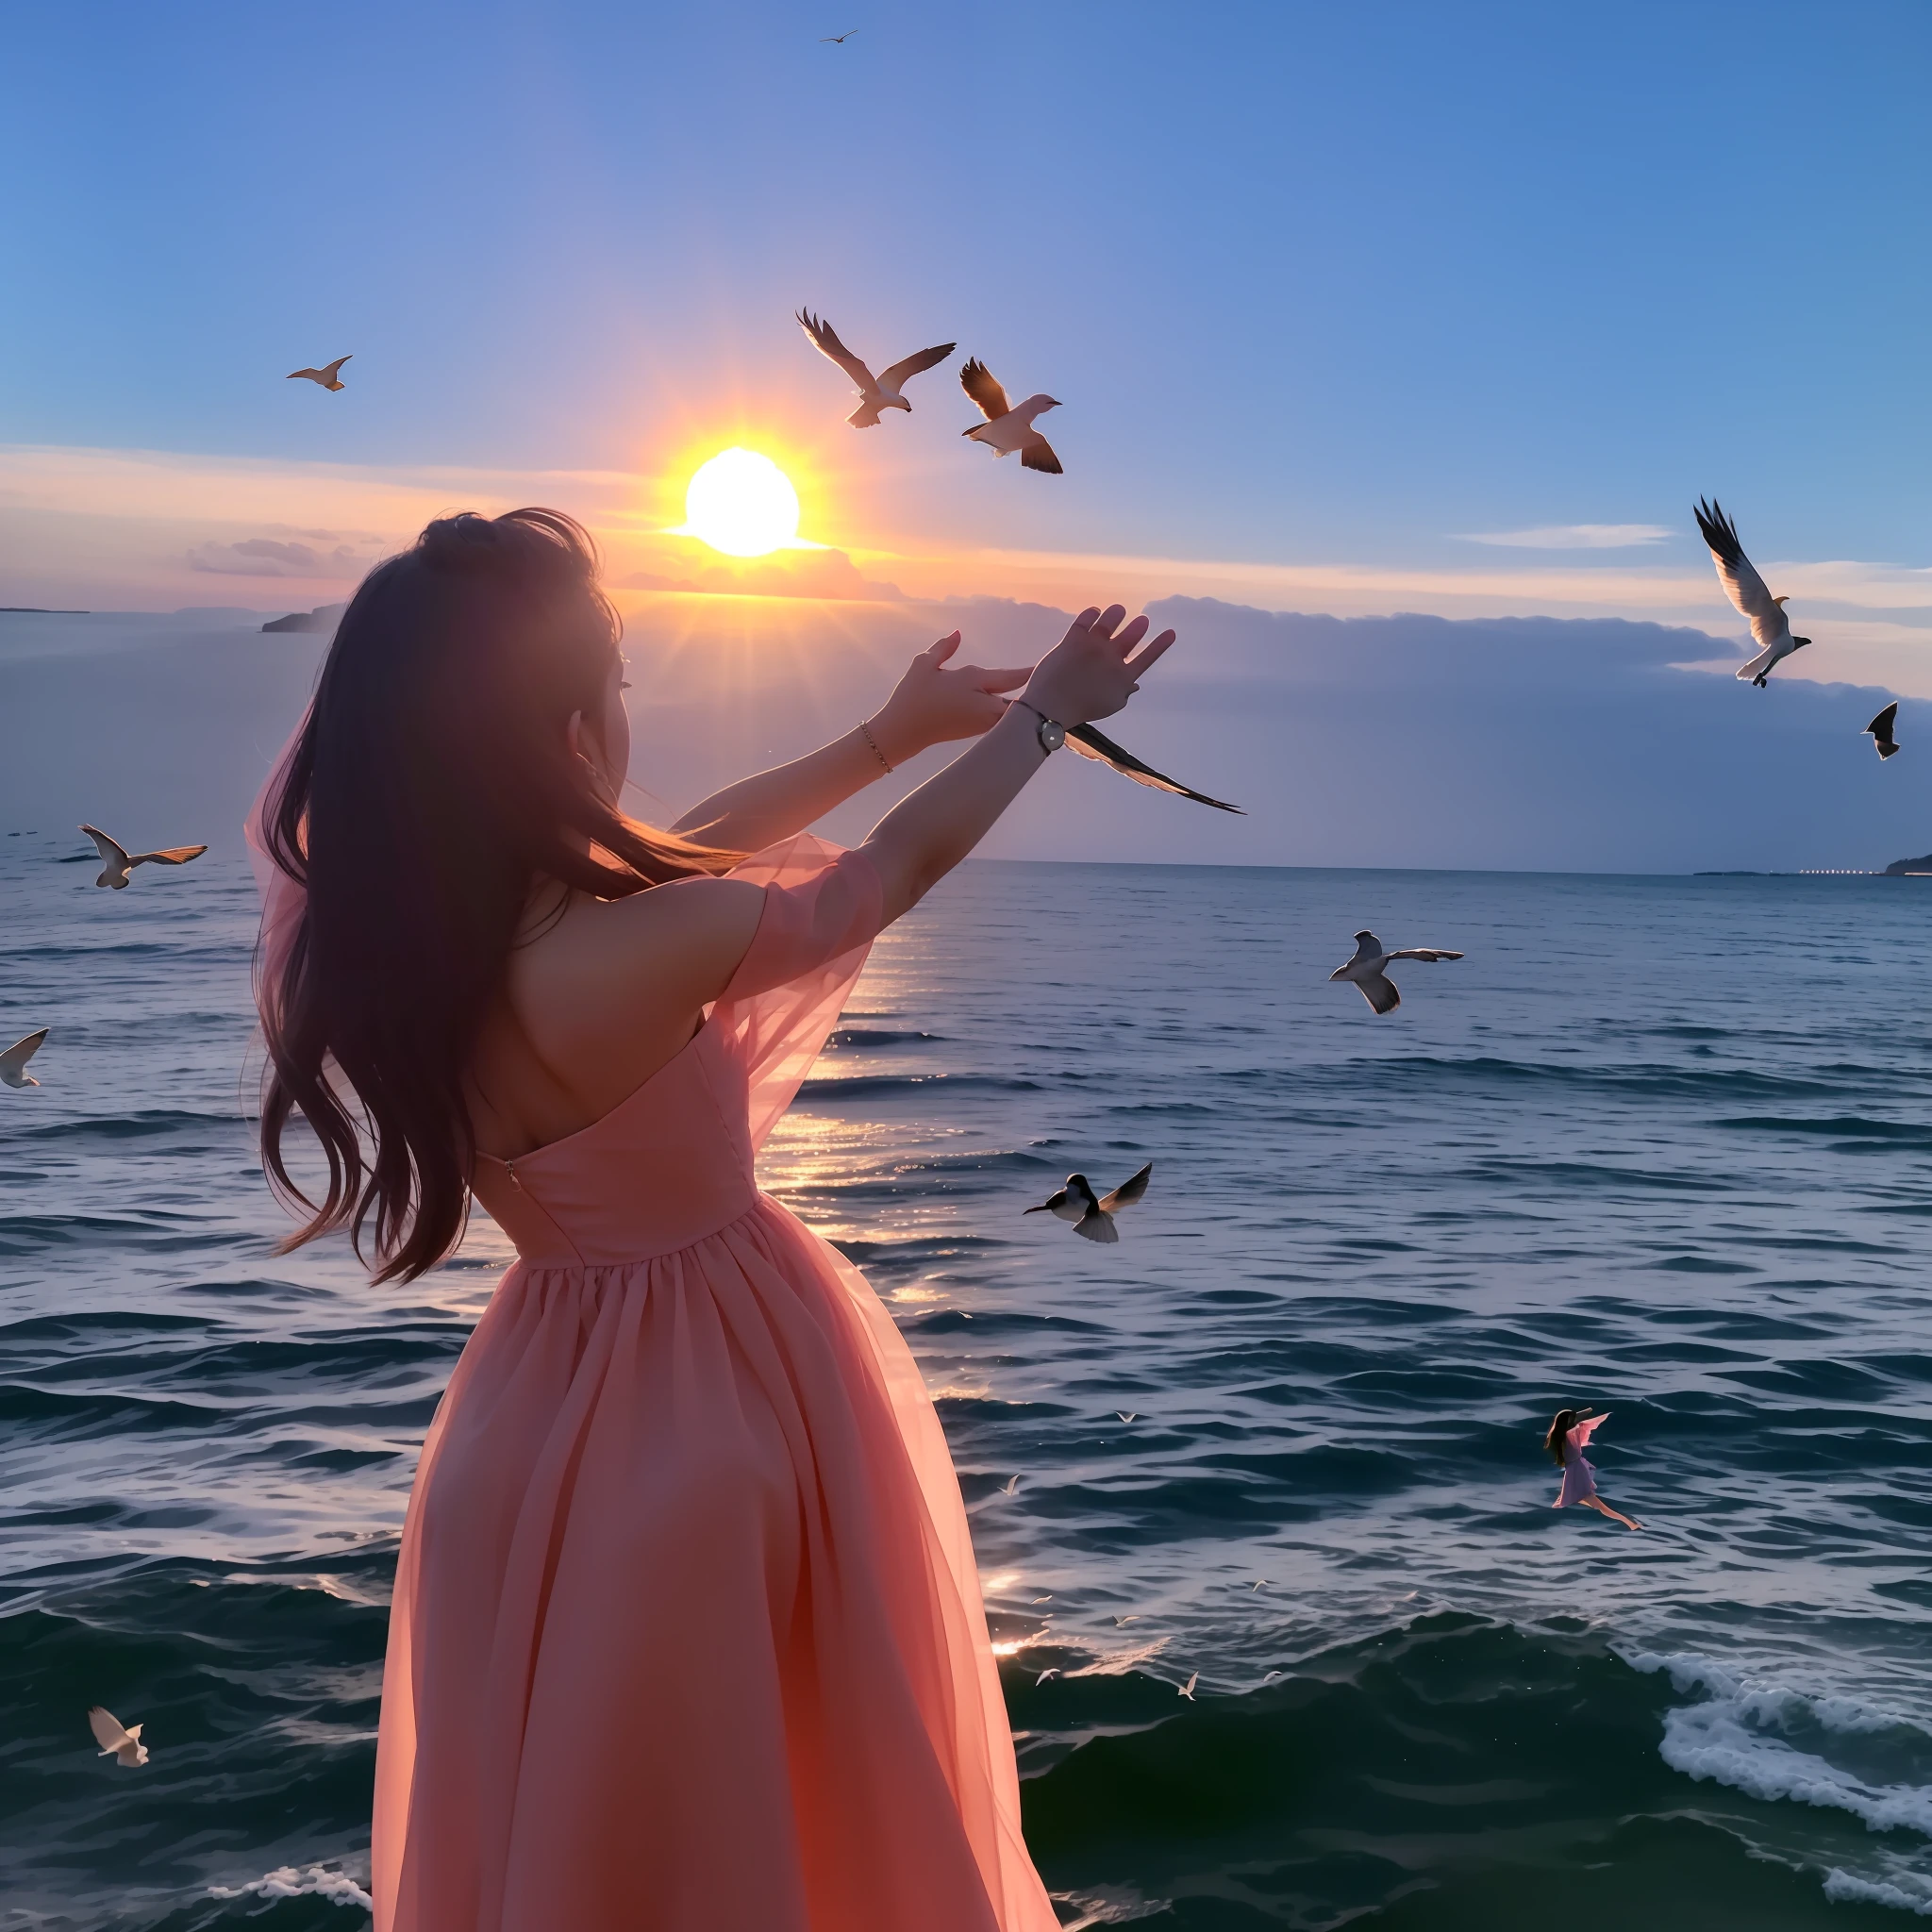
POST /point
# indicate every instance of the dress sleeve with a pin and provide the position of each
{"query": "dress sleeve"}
(1586, 1428)
(823, 909)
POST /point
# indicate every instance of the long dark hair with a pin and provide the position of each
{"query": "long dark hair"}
(431, 788)
(1553, 1442)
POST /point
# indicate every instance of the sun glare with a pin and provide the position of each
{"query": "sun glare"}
(743, 504)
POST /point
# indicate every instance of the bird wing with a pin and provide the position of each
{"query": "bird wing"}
(107, 1728)
(1040, 456)
(1379, 992)
(1753, 668)
(1423, 953)
(169, 855)
(824, 338)
(983, 386)
(1093, 744)
(111, 853)
(335, 368)
(915, 365)
(16, 1057)
(1051, 1205)
(1742, 585)
(296, 374)
(1128, 1192)
(1097, 1226)
(1881, 727)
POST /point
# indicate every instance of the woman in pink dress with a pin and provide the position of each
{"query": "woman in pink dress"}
(1564, 1445)
(686, 1635)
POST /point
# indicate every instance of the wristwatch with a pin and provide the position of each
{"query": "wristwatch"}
(1051, 734)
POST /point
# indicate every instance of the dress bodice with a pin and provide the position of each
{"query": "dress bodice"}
(665, 1167)
(673, 1162)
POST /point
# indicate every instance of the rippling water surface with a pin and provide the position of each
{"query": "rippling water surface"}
(1660, 1144)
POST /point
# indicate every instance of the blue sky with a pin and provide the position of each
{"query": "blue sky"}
(1316, 283)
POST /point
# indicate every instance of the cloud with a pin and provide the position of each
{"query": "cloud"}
(815, 573)
(1573, 537)
(268, 557)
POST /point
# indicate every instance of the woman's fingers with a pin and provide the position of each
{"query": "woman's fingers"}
(1152, 655)
(997, 680)
(940, 652)
(1131, 636)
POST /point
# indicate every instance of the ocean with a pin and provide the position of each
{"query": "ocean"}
(1657, 1143)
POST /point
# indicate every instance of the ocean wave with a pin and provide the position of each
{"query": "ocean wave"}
(311, 1881)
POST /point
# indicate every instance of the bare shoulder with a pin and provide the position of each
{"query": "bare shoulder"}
(684, 939)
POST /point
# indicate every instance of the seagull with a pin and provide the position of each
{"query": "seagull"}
(1126, 1415)
(1271, 1676)
(1092, 1215)
(1090, 743)
(1880, 730)
(1188, 1689)
(1010, 1486)
(1006, 428)
(117, 861)
(1365, 969)
(1771, 629)
(1046, 1599)
(837, 40)
(1133, 1617)
(13, 1061)
(1051, 1672)
(1257, 1583)
(123, 1747)
(876, 392)
(327, 376)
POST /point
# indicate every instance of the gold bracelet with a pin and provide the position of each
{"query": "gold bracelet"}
(874, 744)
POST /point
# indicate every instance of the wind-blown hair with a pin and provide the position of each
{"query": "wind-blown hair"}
(431, 788)
(1554, 1441)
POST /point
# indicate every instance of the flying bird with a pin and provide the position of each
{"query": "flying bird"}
(1188, 1689)
(1771, 629)
(876, 392)
(327, 376)
(1006, 428)
(117, 861)
(1052, 1671)
(1371, 956)
(837, 40)
(1880, 730)
(1126, 1415)
(1090, 743)
(1093, 1214)
(1132, 1617)
(123, 1746)
(13, 1061)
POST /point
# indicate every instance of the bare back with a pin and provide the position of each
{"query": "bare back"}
(596, 1001)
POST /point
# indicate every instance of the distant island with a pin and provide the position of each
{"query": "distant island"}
(35, 610)
(1909, 868)
(325, 617)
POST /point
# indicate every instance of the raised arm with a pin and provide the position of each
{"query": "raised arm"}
(1090, 673)
(931, 705)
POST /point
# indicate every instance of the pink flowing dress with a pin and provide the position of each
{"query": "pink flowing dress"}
(1580, 1472)
(686, 1633)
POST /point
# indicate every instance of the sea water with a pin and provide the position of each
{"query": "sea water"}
(1658, 1144)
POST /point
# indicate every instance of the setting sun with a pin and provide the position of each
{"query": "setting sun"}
(743, 504)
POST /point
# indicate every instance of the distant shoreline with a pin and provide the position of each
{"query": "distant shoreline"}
(35, 610)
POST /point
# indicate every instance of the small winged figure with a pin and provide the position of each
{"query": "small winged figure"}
(328, 376)
(837, 40)
(1093, 1214)
(1881, 730)
(1006, 428)
(13, 1061)
(1771, 629)
(876, 392)
(117, 861)
(1094, 744)
(123, 1746)
(1367, 968)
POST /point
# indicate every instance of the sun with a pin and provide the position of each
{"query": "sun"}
(743, 504)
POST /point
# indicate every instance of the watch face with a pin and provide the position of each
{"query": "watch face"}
(1051, 735)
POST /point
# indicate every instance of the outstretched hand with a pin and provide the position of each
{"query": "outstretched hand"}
(934, 702)
(1095, 668)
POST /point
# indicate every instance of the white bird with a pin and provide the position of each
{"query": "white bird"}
(1188, 1689)
(1132, 1617)
(1771, 629)
(326, 375)
(1046, 1599)
(1126, 1415)
(123, 1746)
(1010, 1486)
(876, 392)
(117, 861)
(1883, 729)
(1093, 1214)
(13, 1061)
(1371, 956)
(1052, 1672)
(1006, 428)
